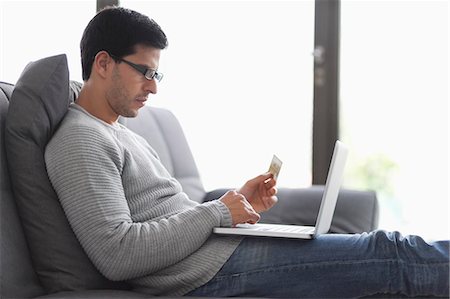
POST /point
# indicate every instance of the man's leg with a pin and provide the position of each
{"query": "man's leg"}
(333, 266)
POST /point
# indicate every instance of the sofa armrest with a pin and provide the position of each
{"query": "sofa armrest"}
(356, 211)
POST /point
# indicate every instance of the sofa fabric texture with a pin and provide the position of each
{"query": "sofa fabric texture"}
(14, 252)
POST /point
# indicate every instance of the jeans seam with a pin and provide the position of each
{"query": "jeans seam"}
(320, 264)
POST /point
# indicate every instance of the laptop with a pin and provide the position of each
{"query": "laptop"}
(326, 210)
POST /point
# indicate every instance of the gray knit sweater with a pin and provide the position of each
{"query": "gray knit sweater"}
(130, 216)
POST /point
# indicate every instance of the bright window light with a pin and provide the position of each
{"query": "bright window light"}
(238, 75)
(31, 30)
(394, 109)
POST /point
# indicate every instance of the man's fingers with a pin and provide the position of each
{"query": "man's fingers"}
(273, 200)
(273, 191)
(265, 177)
(253, 217)
(261, 178)
(241, 210)
(269, 201)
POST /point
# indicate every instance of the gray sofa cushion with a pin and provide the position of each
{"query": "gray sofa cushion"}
(38, 103)
(18, 279)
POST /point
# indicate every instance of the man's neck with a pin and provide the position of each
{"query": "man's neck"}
(94, 102)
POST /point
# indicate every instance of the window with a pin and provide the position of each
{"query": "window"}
(31, 30)
(394, 109)
(238, 75)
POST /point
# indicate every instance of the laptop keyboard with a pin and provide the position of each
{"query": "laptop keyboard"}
(286, 228)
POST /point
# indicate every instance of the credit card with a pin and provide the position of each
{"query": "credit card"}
(275, 166)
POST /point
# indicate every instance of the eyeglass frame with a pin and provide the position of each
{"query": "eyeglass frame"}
(142, 69)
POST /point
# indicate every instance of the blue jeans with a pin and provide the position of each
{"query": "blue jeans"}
(333, 266)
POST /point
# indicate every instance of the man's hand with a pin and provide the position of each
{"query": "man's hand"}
(241, 210)
(260, 192)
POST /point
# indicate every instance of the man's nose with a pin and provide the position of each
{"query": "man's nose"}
(151, 86)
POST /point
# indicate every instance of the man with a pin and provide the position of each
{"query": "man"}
(136, 224)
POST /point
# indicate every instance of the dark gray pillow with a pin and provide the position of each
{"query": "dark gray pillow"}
(39, 101)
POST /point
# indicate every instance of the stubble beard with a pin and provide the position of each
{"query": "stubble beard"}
(118, 97)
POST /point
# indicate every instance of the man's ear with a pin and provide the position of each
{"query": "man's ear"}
(102, 64)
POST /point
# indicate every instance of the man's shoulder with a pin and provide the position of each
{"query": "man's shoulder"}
(78, 126)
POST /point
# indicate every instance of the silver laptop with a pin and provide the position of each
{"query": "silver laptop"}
(326, 211)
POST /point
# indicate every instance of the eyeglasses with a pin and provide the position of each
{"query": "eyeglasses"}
(149, 74)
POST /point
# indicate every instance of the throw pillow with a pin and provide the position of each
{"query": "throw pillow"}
(39, 101)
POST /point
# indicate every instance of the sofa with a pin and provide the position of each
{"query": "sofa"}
(40, 255)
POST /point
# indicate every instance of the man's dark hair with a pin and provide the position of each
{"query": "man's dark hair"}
(118, 30)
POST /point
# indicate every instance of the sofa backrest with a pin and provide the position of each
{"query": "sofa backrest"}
(163, 132)
(18, 278)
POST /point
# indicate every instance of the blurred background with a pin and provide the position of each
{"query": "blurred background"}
(249, 79)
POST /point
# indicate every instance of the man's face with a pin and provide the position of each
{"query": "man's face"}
(129, 89)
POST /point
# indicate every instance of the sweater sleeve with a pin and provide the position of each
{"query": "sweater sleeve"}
(83, 169)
